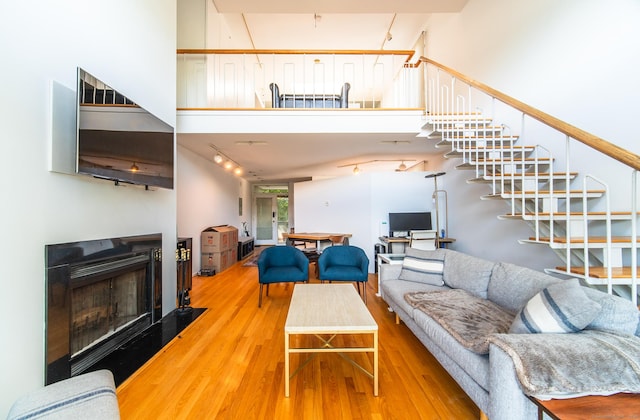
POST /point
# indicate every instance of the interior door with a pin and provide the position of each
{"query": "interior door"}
(266, 220)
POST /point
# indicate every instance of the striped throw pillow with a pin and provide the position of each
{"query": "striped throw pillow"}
(561, 308)
(423, 266)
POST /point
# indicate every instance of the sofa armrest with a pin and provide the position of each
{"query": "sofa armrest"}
(90, 396)
(507, 401)
(389, 272)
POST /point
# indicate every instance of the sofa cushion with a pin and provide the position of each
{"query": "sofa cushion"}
(560, 308)
(394, 291)
(469, 319)
(467, 272)
(474, 364)
(512, 286)
(423, 266)
(616, 313)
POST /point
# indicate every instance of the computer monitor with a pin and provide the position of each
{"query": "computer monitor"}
(402, 223)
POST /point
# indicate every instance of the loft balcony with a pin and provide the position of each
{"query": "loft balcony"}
(296, 80)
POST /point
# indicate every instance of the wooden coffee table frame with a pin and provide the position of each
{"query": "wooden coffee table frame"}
(328, 310)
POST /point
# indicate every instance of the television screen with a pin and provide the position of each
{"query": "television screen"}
(405, 222)
(119, 140)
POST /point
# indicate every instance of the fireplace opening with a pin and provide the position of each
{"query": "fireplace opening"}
(100, 294)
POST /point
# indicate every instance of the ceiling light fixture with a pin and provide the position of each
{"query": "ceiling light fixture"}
(226, 162)
(134, 167)
(356, 169)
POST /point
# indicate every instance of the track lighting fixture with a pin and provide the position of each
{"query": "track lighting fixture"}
(356, 166)
(225, 161)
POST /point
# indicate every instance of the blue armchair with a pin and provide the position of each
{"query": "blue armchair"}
(281, 264)
(344, 263)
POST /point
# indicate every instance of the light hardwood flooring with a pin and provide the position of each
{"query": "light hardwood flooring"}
(229, 364)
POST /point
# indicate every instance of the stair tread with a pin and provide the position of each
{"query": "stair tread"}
(542, 193)
(575, 213)
(498, 147)
(602, 272)
(591, 239)
(519, 176)
(496, 138)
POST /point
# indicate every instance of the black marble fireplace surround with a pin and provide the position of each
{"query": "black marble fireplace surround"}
(101, 294)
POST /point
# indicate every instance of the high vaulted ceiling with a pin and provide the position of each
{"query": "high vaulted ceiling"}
(320, 24)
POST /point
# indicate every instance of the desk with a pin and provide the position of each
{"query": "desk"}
(617, 406)
(316, 237)
(397, 245)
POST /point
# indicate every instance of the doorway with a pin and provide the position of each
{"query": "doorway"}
(271, 215)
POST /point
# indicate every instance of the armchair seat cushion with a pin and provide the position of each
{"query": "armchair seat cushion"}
(344, 272)
(278, 274)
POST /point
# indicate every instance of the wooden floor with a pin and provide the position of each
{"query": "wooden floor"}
(229, 364)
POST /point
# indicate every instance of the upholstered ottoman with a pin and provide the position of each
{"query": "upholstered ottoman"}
(88, 396)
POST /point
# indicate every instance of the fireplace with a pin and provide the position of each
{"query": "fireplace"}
(100, 295)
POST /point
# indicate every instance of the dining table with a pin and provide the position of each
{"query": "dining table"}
(316, 237)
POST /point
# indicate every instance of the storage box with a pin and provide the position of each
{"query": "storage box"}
(219, 238)
(218, 261)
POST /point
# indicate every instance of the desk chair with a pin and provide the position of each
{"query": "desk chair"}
(423, 239)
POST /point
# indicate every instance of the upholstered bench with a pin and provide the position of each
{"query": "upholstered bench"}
(88, 396)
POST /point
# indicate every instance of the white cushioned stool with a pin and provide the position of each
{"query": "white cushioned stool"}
(88, 396)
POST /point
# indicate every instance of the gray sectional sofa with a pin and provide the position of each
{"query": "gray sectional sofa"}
(487, 325)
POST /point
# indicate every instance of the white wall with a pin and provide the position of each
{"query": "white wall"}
(207, 196)
(576, 60)
(358, 204)
(130, 45)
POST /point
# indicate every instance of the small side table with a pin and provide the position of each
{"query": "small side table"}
(392, 259)
(616, 406)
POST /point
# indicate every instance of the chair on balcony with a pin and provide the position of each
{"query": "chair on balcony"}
(281, 264)
(311, 100)
(344, 263)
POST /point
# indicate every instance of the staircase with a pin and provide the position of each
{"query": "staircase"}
(567, 211)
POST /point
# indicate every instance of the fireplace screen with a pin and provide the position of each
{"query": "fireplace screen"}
(101, 308)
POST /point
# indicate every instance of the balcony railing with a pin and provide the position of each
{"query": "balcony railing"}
(241, 79)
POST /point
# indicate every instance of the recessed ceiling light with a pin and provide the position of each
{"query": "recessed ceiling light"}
(395, 142)
(251, 143)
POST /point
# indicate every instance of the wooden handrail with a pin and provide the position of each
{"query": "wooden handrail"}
(595, 142)
(408, 53)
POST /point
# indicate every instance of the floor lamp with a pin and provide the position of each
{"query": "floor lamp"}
(435, 196)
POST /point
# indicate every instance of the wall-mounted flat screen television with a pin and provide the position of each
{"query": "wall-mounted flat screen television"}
(119, 140)
(405, 222)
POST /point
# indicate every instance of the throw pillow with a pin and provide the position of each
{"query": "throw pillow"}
(560, 308)
(423, 266)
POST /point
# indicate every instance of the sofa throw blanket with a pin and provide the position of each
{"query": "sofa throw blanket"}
(588, 362)
(468, 318)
